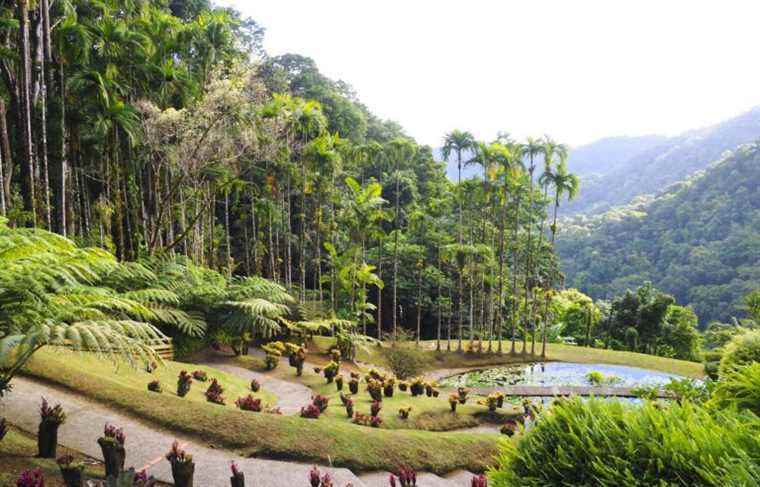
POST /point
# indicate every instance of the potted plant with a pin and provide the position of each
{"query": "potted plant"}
(492, 401)
(339, 382)
(214, 392)
(479, 481)
(353, 385)
(72, 471)
(296, 357)
(388, 386)
(375, 421)
(453, 401)
(403, 412)
(255, 385)
(462, 394)
(509, 428)
(335, 355)
(375, 389)
(349, 404)
(331, 370)
(417, 386)
(403, 385)
(47, 435)
(238, 478)
(375, 408)
(184, 381)
(499, 399)
(112, 446)
(3, 428)
(155, 386)
(182, 464)
(317, 480)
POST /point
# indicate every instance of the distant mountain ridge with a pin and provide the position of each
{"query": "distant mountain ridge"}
(615, 171)
(698, 240)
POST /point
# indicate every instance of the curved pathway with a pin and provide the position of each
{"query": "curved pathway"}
(146, 445)
(291, 396)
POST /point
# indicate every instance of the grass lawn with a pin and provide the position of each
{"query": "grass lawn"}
(17, 453)
(326, 440)
(433, 360)
(428, 413)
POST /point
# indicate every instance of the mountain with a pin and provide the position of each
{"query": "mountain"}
(698, 240)
(616, 171)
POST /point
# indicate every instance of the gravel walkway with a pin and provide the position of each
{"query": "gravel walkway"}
(146, 445)
(291, 396)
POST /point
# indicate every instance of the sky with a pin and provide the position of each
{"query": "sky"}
(577, 70)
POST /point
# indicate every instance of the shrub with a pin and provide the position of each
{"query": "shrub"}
(296, 357)
(349, 404)
(404, 362)
(271, 361)
(375, 421)
(184, 381)
(622, 444)
(3, 428)
(403, 385)
(335, 355)
(321, 402)
(353, 385)
(31, 478)
(689, 390)
(311, 411)
(492, 401)
(214, 392)
(318, 480)
(255, 385)
(742, 350)
(375, 408)
(739, 388)
(339, 383)
(155, 386)
(403, 412)
(200, 375)
(509, 428)
(596, 378)
(249, 403)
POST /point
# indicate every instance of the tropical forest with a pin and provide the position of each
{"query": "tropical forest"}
(221, 263)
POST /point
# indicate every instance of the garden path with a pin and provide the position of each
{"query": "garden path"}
(147, 444)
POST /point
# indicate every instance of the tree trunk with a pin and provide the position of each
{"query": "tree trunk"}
(514, 300)
(460, 315)
(24, 115)
(5, 152)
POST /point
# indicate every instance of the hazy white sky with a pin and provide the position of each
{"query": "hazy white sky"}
(575, 69)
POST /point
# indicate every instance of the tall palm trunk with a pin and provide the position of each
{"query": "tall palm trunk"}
(500, 301)
(514, 270)
(419, 304)
(528, 264)
(547, 299)
(438, 299)
(24, 115)
(5, 153)
(395, 259)
(460, 315)
(302, 251)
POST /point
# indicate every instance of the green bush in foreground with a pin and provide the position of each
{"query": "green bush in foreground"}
(739, 388)
(609, 443)
(742, 350)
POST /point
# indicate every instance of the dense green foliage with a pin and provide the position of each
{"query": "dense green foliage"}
(152, 130)
(742, 350)
(613, 443)
(698, 241)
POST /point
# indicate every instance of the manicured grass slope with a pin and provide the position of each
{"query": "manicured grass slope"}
(322, 441)
(18, 452)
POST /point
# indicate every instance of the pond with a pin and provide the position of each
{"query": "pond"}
(558, 374)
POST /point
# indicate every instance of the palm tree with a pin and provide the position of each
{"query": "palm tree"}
(459, 142)
(564, 183)
(514, 179)
(531, 150)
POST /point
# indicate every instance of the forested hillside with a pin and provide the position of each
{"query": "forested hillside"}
(699, 241)
(615, 171)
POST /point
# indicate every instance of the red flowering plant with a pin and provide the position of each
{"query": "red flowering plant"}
(316, 479)
(349, 404)
(31, 478)
(238, 478)
(214, 392)
(479, 481)
(321, 402)
(375, 421)
(406, 478)
(200, 375)
(311, 412)
(112, 433)
(249, 403)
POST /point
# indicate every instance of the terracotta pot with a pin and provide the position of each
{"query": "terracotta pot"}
(47, 439)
